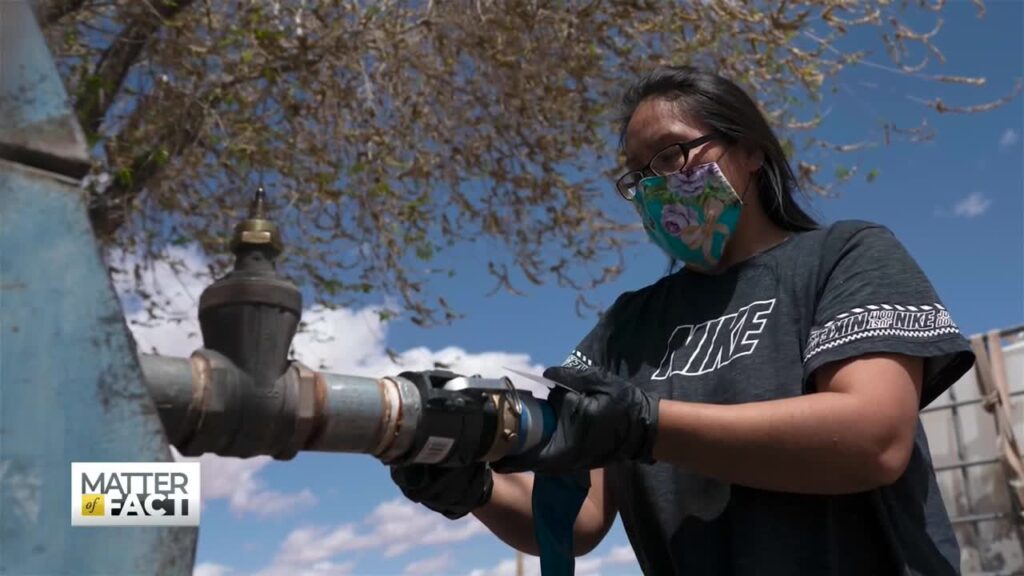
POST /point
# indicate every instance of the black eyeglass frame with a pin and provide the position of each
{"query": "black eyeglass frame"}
(629, 192)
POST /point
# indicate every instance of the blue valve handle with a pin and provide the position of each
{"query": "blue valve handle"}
(542, 416)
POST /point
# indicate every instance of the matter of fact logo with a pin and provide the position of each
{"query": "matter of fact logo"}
(135, 493)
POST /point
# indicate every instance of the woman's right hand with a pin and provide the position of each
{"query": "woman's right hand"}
(453, 492)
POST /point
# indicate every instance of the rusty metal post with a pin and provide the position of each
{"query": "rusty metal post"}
(70, 384)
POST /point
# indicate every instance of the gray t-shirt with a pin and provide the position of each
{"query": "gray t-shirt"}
(758, 332)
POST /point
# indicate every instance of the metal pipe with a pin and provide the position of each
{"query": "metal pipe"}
(365, 415)
(240, 395)
(171, 383)
(967, 464)
(202, 402)
(974, 518)
(1011, 330)
(207, 404)
(959, 403)
(960, 451)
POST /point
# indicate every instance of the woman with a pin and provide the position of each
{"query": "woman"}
(757, 411)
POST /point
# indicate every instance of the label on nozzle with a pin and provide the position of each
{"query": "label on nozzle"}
(434, 450)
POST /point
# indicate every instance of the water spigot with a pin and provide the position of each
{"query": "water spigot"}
(251, 314)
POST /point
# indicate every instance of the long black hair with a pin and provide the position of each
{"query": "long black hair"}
(730, 111)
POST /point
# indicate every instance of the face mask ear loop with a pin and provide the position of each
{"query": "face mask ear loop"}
(758, 174)
(745, 190)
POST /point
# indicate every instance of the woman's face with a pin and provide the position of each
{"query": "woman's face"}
(656, 123)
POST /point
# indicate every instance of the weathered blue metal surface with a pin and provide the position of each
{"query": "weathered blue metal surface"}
(70, 384)
(35, 120)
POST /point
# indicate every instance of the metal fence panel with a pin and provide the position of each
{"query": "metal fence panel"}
(976, 494)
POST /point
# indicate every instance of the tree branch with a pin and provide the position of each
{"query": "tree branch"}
(108, 211)
(55, 10)
(102, 87)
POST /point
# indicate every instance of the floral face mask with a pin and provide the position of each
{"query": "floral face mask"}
(690, 214)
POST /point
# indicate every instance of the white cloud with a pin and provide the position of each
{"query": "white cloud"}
(211, 569)
(1009, 138)
(618, 560)
(621, 555)
(393, 528)
(173, 283)
(399, 526)
(354, 342)
(311, 544)
(234, 480)
(315, 569)
(433, 565)
(972, 206)
(531, 567)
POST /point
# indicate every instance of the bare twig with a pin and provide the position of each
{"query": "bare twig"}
(941, 107)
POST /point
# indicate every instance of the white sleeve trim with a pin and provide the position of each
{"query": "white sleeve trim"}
(577, 360)
(910, 322)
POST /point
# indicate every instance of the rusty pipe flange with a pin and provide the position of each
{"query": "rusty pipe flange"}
(365, 416)
(215, 407)
(176, 388)
(403, 409)
(201, 381)
(306, 386)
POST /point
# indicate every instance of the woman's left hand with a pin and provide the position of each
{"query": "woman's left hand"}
(606, 419)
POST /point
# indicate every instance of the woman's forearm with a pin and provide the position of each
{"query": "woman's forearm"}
(824, 443)
(509, 513)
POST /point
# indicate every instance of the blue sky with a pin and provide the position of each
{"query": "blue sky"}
(957, 203)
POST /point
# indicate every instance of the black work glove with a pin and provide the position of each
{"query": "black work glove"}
(451, 491)
(607, 419)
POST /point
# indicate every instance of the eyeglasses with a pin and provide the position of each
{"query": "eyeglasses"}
(670, 160)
